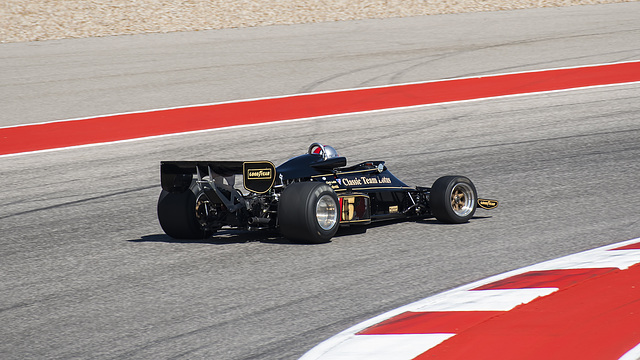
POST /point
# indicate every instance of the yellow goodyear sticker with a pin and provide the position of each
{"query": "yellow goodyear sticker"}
(259, 176)
(487, 204)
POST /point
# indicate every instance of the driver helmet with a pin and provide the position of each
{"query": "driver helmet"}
(325, 151)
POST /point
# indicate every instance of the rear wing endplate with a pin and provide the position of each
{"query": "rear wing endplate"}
(258, 176)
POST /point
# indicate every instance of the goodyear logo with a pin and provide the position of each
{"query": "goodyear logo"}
(259, 174)
(487, 204)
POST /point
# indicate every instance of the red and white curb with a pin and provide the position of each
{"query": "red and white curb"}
(582, 306)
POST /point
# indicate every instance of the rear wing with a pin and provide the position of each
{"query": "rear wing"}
(258, 176)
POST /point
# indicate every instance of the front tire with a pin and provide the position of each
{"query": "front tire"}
(308, 212)
(453, 199)
(177, 214)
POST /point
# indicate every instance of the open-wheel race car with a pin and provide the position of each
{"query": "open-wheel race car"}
(307, 197)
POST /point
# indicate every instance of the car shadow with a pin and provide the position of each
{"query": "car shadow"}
(225, 237)
(241, 237)
(433, 221)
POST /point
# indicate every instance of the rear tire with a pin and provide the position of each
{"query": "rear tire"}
(453, 199)
(177, 214)
(308, 212)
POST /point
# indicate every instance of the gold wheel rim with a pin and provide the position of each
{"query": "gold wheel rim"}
(462, 199)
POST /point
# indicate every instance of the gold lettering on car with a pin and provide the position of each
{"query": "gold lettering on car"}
(352, 182)
(364, 180)
(259, 174)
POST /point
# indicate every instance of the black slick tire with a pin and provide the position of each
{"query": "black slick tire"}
(453, 199)
(308, 212)
(177, 214)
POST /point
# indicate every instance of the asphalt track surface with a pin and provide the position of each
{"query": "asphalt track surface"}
(87, 272)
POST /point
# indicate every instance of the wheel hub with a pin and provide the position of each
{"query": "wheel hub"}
(462, 199)
(326, 212)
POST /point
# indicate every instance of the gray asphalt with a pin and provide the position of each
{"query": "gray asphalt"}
(61, 79)
(87, 273)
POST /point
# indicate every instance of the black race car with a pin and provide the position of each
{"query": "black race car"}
(307, 197)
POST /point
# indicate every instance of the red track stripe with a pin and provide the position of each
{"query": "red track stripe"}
(438, 322)
(593, 320)
(146, 124)
(635, 246)
(546, 279)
